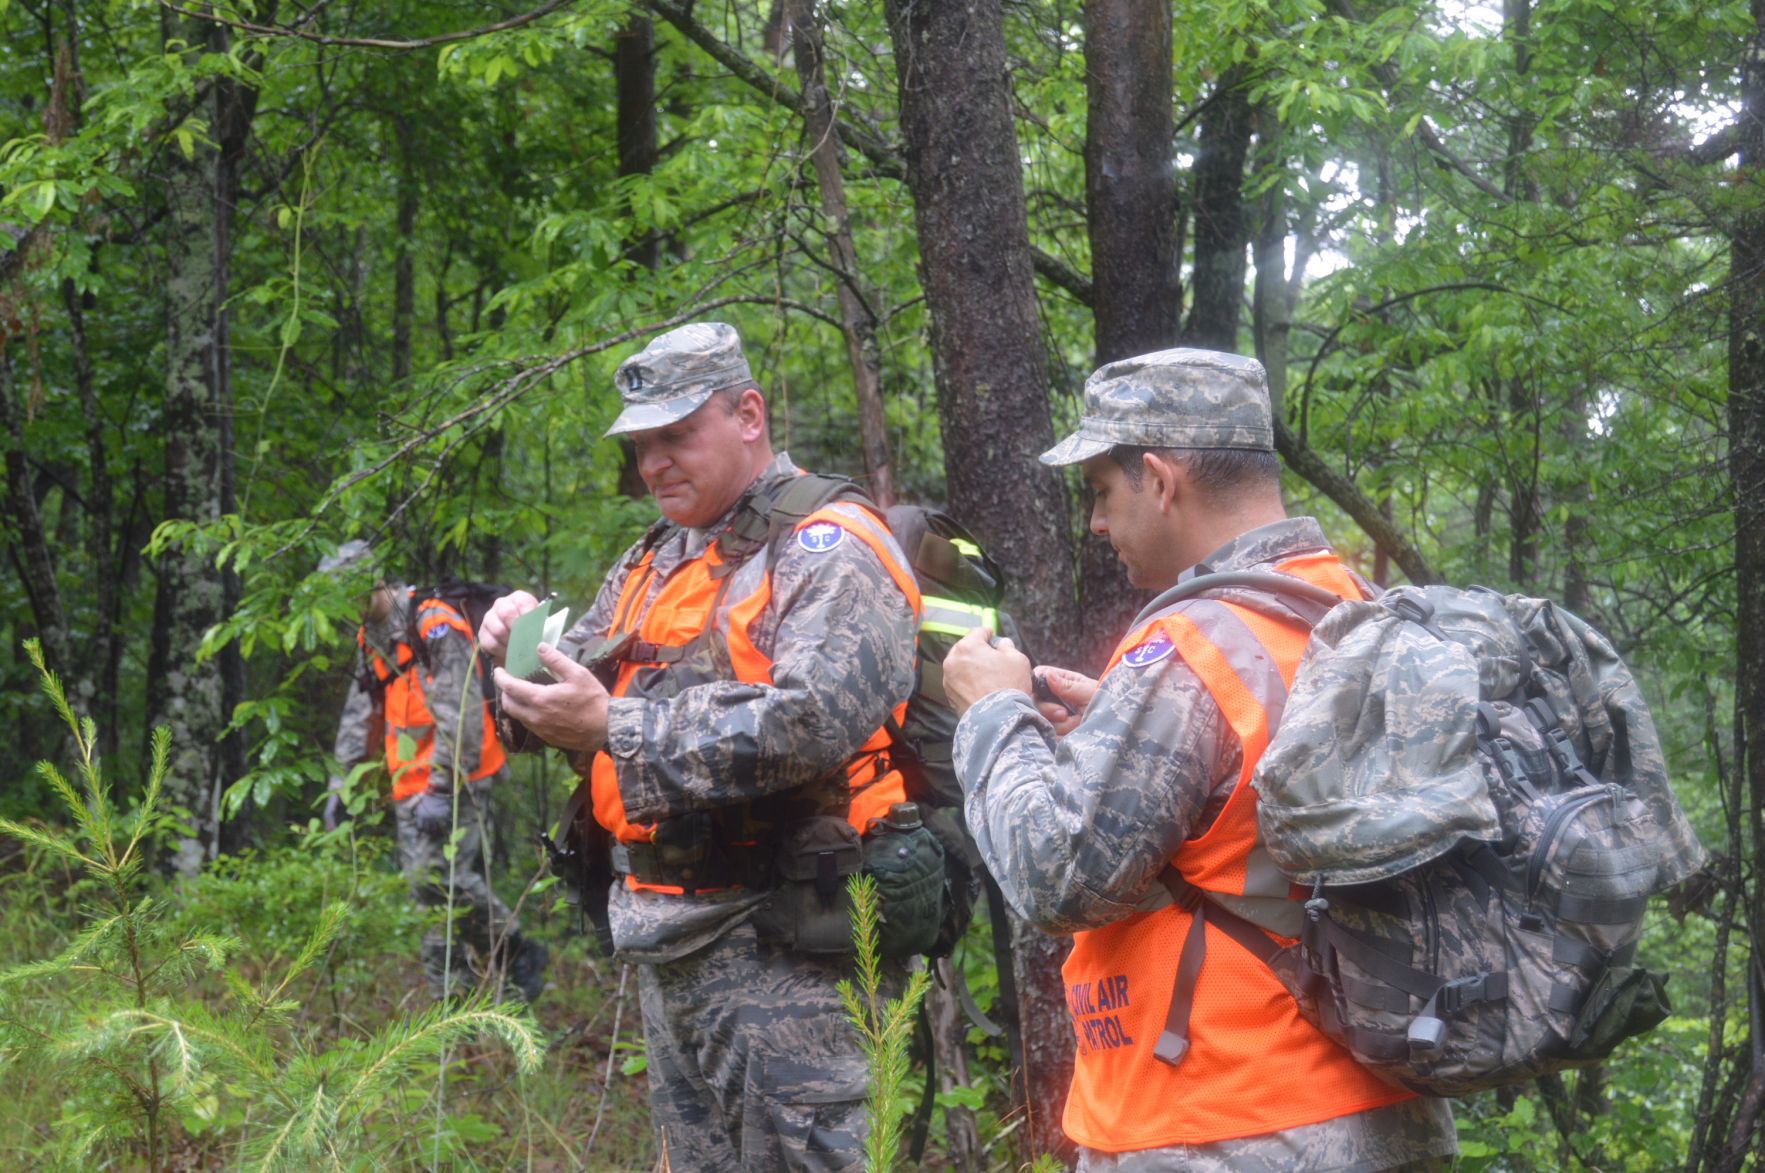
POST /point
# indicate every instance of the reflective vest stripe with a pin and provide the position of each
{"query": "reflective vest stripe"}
(944, 616)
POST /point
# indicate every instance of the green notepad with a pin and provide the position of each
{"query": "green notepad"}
(540, 625)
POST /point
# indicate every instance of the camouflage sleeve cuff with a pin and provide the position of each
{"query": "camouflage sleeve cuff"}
(988, 722)
(638, 788)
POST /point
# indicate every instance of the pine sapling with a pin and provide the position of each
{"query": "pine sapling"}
(884, 1025)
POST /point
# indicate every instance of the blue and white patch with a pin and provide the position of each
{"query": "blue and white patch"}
(820, 537)
(1149, 653)
(439, 631)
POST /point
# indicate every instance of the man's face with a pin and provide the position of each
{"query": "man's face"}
(698, 466)
(1132, 521)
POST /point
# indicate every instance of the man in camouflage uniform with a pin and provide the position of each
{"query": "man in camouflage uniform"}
(752, 1063)
(416, 696)
(1081, 817)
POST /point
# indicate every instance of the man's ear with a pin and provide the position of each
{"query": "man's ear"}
(750, 409)
(1164, 479)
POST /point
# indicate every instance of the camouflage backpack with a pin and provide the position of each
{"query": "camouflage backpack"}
(1471, 787)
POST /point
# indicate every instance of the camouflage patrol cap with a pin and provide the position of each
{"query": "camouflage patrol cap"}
(1172, 399)
(672, 377)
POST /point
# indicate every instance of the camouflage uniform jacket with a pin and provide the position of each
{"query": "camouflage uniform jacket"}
(840, 636)
(446, 678)
(1077, 831)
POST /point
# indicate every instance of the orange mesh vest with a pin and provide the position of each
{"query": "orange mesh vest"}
(407, 711)
(696, 595)
(1254, 1066)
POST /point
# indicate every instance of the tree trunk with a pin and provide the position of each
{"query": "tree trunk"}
(404, 277)
(1746, 457)
(857, 301)
(1131, 204)
(1221, 233)
(192, 698)
(966, 181)
(949, 1027)
(634, 84)
(964, 173)
(30, 550)
(1132, 214)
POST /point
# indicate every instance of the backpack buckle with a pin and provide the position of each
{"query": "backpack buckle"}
(1411, 608)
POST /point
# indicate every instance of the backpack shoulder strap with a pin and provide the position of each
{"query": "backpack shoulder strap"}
(1309, 599)
(772, 514)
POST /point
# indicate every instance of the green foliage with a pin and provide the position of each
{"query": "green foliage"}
(435, 265)
(885, 1026)
(117, 1016)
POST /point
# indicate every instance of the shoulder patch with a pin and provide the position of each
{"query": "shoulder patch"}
(1149, 652)
(820, 537)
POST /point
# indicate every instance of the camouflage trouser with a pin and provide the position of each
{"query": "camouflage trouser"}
(480, 919)
(752, 1062)
(1415, 1136)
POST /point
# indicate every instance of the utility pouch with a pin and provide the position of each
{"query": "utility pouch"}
(908, 867)
(808, 909)
(1624, 1002)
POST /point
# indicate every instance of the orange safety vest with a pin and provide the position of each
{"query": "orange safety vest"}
(407, 711)
(1254, 1066)
(699, 593)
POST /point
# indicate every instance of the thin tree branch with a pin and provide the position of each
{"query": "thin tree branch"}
(1385, 534)
(268, 30)
(886, 161)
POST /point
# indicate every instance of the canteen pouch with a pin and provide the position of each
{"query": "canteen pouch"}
(908, 867)
(808, 909)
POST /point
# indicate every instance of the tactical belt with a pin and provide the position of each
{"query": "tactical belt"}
(728, 865)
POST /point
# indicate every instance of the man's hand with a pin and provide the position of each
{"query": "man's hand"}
(493, 629)
(1071, 691)
(976, 666)
(571, 714)
(433, 813)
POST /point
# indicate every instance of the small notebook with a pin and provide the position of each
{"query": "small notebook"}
(540, 625)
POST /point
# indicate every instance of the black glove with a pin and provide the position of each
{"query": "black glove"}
(333, 810)
(434, 813)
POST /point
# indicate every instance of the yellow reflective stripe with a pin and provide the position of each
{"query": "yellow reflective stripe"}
(954, 617)
(966, 548)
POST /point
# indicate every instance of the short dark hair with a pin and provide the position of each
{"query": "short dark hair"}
(731, 397)
(1212, 471)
